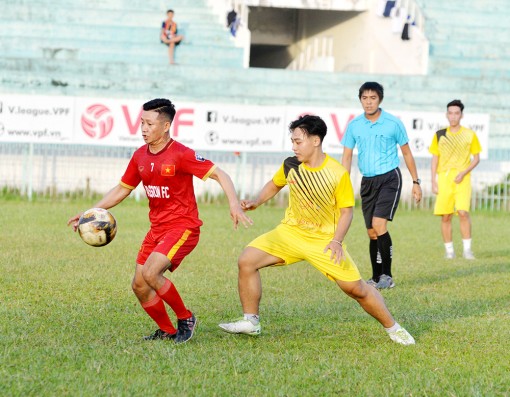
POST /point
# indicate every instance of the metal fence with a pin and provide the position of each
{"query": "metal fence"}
(54, 171)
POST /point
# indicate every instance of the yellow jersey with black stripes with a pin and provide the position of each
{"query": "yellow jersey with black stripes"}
(316, 195)
(454, 149)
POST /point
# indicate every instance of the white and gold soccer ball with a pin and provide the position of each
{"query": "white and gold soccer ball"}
(97, 227)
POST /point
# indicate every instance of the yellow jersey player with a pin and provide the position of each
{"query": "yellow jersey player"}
(455, 152)
(316, 221)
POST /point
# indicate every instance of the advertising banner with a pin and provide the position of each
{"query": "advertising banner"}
(38, 119)
(420, 127)
(107, 122)
(239, 128)
(201, 126)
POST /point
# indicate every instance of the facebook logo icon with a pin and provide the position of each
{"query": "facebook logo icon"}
(417, 124)
(212, 117)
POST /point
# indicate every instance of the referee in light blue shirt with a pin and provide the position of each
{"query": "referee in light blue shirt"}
(377, 133)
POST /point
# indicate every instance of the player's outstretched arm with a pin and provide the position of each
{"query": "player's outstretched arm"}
(269, 190)
(109, 200)
(236, 212)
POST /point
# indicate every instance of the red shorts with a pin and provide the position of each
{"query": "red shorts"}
(175, 243)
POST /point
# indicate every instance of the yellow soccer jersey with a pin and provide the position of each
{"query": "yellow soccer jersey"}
(454, 149)
(316, 194)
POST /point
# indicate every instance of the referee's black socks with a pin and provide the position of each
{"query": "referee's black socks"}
(375, 259)
(385, 247)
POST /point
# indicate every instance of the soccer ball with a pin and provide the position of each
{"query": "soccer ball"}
(97, 227)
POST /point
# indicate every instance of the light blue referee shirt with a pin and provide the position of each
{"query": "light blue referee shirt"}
(377, 142)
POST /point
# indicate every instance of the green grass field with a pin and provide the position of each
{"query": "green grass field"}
(71, 326)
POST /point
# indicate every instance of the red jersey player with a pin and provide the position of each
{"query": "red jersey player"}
(166, 169)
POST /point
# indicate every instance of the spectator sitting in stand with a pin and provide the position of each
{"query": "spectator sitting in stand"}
(169, 35)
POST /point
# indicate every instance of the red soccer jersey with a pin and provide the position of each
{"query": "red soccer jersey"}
(167, 177)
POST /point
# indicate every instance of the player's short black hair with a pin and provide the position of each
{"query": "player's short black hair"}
(161, 106)
(456, 102)
(312, 125)
(372, 86)
(172, 11)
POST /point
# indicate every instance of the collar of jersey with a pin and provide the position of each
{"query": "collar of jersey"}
(380, 120)
(162, 150)
(454, 133)
(320, 167)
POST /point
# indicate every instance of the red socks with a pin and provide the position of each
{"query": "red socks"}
(155, 308)
(169, 294)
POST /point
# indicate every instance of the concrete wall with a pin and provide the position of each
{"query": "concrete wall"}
(362, 42)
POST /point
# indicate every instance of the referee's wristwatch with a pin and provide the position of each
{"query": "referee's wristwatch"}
(417, 182)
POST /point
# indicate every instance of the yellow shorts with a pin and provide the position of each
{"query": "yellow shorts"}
(452, 197)
(294, 245)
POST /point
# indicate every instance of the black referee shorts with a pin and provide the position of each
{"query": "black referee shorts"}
(380, 195)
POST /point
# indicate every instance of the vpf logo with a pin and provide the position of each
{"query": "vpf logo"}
(97, 121)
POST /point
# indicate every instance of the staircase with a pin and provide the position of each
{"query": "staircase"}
(113, 31)
(469, 46)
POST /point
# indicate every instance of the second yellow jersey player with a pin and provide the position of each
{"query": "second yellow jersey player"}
(316, 221)
(315, 199)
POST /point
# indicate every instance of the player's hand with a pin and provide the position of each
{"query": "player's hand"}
(237, 214)
(337, 252)
(417, 193)
(460, 176)
(434, 187)
(74, 220)
(248, 205)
